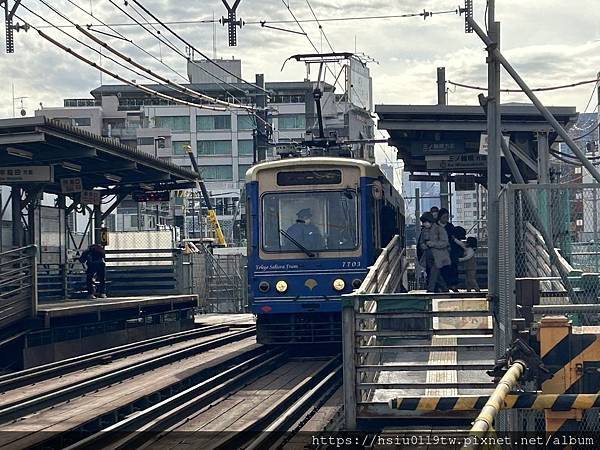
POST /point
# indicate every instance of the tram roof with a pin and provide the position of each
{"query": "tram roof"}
(99, 161)
(365, 167)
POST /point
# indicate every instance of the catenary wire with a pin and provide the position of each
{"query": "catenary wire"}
(116, 76)
(196, 50)
(551, 88)
(122, 36)
(176, 50)
(171, 85)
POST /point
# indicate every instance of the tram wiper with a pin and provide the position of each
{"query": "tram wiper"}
(297, 244)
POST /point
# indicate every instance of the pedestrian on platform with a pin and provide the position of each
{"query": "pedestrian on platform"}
(424, 255)
(95, 268)
(450, 272)
(435, 243)
(470, 262)
(434, 211)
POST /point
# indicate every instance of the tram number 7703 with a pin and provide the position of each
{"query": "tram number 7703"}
(350, 264)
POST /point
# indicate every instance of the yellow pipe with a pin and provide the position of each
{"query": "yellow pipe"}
(485, 419)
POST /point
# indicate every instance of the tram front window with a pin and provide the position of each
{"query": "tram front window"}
(310, 222)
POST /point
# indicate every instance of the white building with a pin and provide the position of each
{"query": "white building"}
(221, 140)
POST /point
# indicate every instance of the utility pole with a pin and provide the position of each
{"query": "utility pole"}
(441, 100)
(494, 152)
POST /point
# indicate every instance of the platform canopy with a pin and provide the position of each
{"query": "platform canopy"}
(432, 138)
(33, 148)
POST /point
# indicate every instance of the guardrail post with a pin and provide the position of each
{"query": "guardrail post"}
(349, 355)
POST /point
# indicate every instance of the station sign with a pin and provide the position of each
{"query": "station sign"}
(90, 197)
(26, 174)
(71, 185)
(444, 147)
(456, 163)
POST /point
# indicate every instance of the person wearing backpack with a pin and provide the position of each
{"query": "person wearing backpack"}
(95, 267)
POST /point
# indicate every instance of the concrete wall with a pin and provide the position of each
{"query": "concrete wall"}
(44, 354)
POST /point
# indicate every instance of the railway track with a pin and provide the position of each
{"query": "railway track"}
(288, 388)
(19, 407)
(41, 373)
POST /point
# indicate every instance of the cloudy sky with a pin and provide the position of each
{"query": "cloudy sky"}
(549, 41)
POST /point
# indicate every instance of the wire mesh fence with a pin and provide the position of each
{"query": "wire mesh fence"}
(550, 232)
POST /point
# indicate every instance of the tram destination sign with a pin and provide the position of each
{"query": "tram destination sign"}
(26, 174)
(456, 163)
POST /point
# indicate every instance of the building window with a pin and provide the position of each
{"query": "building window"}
(145, 141)
(217, 173)
(133, 221)
(175, 123)
(292, 122)
(179, 147)
(246, 122)
(82, 122)
(212, 148)
(204, 123)
(246, 148)
(242, 169)
(294, 98)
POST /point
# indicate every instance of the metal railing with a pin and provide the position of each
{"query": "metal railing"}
(18, 285)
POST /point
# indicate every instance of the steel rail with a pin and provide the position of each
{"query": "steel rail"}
(22, 407)
(280, 429)
(58, 368)
(134, 430)
(285, 409)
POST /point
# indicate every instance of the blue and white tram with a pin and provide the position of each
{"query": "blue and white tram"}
(315, 225)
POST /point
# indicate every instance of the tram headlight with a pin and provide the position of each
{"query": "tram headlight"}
(263, 286)
(281, 286)
(356, 283)
(339, 284)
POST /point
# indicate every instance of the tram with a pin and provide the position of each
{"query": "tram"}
(315, 226)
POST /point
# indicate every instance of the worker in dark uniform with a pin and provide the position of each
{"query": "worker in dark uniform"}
(95, 267)
(304, 232)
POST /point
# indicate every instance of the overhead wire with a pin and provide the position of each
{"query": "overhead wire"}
(542, 89)
(172, 85)
(108, 72)
(179, 87)
(191, 47)
(179, 52)
(123, 37)
(50, 24)
(266, 22)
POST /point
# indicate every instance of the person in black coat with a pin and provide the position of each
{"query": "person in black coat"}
(450, 273)
(95, 267)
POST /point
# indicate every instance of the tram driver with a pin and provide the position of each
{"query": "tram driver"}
(304, 232)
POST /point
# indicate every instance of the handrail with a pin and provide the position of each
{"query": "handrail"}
(19, 249)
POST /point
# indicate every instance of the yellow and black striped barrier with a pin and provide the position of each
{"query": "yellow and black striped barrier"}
(553, 402)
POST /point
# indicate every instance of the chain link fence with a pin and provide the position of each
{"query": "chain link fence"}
(550, 232)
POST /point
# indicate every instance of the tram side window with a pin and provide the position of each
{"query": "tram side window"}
(388, 224)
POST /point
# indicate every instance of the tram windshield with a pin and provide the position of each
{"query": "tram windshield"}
(308, 222)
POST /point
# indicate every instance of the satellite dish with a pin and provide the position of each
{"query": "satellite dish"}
(23, 112)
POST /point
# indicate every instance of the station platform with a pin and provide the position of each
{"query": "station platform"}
(216, 319)
(102, 307)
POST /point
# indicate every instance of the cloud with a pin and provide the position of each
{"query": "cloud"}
(549, 42)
